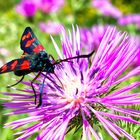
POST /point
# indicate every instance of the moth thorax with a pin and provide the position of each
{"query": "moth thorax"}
(49, 67)
(43, 54)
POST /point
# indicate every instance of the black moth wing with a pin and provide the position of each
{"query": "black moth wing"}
(29, 42)
(20, 66)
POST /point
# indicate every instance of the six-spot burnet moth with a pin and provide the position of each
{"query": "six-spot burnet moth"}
(34, 59)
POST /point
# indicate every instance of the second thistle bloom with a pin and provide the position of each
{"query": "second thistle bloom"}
(86, 94)
(27, 8)
(106, 8)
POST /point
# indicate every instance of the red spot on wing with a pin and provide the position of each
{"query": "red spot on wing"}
(4, 68)
(38, 48)
(26, 36)
(13, 65)
(25, 65)
(29, 42)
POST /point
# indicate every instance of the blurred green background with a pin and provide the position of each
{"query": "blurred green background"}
(76, 12)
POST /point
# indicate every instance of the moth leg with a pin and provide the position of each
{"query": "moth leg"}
(50, 56)
(59, 80)
(17, 82)
(40, 95)
(33, 85)
(41, 91)
(53, 80)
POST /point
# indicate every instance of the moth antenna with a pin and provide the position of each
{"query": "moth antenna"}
(59, 80)
(71, 58)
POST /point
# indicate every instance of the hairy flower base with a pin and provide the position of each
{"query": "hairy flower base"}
(87, 92)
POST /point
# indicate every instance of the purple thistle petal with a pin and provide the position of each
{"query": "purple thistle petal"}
(87, 129)
(123, 90)
(30, 130)
(24, 121)
(129, 75)
(115, 117)
(125, 133)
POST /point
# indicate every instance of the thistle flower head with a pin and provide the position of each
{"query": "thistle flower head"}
(27, 8)
(50, 27)
(130, 19)
(48, 6)
(87, 93)
(106, 8)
